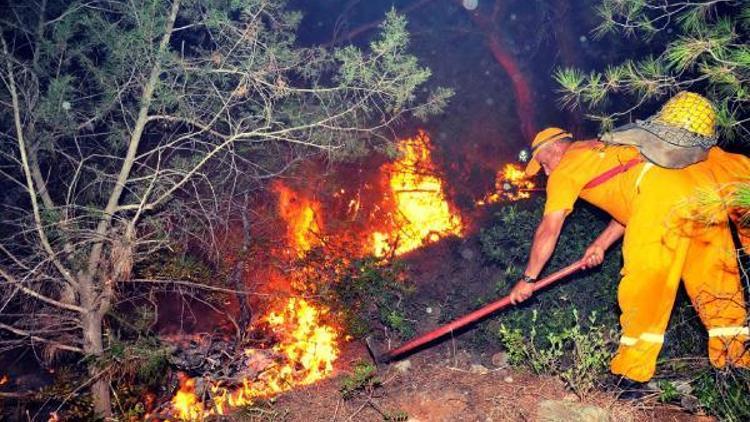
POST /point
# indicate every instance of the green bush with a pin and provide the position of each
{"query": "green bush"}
(363, 380)
(507, 243)
(370, 294)
(545, 333)
(578, 354)
(724, 393)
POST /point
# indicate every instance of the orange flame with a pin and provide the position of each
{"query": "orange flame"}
(410, 210)
(422, 212)
(186, 402)
(302, 216)
(511, 184)
(307, 350)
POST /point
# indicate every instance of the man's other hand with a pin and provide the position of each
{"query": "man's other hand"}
(521, 291)
(593, 256)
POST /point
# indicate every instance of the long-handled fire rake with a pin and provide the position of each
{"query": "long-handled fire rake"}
(464, 320)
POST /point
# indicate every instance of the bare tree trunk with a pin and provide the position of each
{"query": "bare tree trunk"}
(92, 345)
(97, 297)
(521, 85)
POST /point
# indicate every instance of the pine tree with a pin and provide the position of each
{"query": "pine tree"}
(125, 123)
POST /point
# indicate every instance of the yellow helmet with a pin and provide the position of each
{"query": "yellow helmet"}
(541, 140)
(689, 111)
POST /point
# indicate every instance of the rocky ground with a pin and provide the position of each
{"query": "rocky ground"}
(447, 384)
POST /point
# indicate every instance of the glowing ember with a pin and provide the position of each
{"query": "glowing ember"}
(185, 402)
(511, 184)
(302, 217)
(307, 349)
(422, 212)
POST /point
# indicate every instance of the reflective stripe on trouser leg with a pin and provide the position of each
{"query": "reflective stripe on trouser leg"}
(628, 341)
(652, 338)
(726, 345)
(648, 288)
(729, 331)
(647, 337)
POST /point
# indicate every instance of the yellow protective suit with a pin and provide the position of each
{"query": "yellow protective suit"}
(663, 243)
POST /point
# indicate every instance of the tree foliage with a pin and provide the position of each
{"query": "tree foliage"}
(704, 49)
(131, 126)
(700, 46)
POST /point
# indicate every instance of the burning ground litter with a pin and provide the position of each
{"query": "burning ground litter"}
(305, 339)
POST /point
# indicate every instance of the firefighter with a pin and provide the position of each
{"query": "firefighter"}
(668, 236)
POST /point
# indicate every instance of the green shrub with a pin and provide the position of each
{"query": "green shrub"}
(578, 354)
(363, 380)
(507, 243)
(667, 391)
(724, 393)
(371, 293)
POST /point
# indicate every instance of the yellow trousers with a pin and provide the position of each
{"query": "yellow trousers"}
(662, 246)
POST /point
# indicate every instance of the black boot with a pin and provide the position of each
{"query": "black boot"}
(631, 390)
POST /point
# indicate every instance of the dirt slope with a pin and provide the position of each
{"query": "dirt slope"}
(443, 384)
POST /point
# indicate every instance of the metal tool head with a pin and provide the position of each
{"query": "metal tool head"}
(375, 350)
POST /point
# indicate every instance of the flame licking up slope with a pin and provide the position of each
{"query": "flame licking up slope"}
(422, 212)
(302, 216)
(305, 344)
(411, 210)
(511, 184)
(185, 402)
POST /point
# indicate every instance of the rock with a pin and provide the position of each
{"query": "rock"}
(500, 360)
(467, 254)
(690, 403)
(683, 387)
(403, 366)
(508, 379)
(567, 411)
(479, 369)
